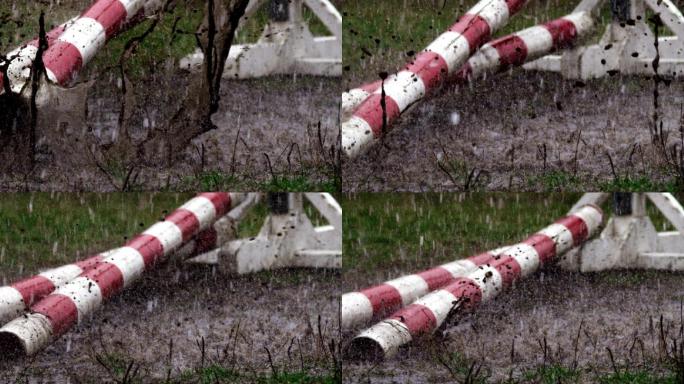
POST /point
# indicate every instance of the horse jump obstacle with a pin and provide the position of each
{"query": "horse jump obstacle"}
(441, 60)
(630, 240)
(428, 313)
(627, 34)
(626, 47)
(287, 238)
(286, 45)
(69, 304)
(499, 55)
(203, 226)
(18, 297)
(359, 308)
(73, 44)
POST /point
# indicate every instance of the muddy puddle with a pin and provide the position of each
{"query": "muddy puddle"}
(238, 317)
(514, 128)
(615, 310)
(287, 121)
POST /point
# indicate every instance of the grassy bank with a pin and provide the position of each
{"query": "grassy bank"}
(409, 232)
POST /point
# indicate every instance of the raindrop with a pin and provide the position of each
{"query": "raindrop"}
(454, 118)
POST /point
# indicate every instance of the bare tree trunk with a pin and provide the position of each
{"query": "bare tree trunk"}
(202, 98)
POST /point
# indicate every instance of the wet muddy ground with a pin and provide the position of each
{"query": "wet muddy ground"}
(524, 131)
(613, 308)
(278, 311)
(278, 117)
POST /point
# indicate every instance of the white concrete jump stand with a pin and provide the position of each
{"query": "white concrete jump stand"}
(286, 45)
(629, 240)
(625, 36)
(287, 239)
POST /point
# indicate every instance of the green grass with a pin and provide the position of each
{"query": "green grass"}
(557, 373)
(386, 229)
(552, 374)
(39, 230)
(638, 377)
(558, 180)
(555, 181)
(215, 180)
(639, 184)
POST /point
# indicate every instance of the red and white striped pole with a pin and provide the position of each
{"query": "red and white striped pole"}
(429, 312)
(73, 44)
(54, 315)
(80, 41)
(359, 308)
(505, 52)
(18, 297)
(21, 59)
(442, 58)
(526, 45)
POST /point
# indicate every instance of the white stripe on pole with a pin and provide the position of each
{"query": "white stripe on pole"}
(130, 262)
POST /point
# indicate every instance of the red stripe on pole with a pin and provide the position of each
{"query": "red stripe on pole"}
(371, 111)
(418, 319)
(108, 277)
(50, 36)
(149, 247)
(509, 269)
(383, 296)
(577, 227)
(34, 287)
(512, 51)
(221, 201)
(430, 67)
(474, 28)
(109, 13)
(186, 221)
(60, 310)
(205, 241)
(463, 74)
(466, 291)
(544, 245)
(514, 5)
(436, 277)
(562, 31)
(89, 263)
(64, 60)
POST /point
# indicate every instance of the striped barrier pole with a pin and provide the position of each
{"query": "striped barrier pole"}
(73, 44)
(526, 45)
(21, 59)
(73, 302)
(360, 307)
(80, 41)
(355, 96)
(498, 55)
(441, 59)
(428, 313)
(17, 298)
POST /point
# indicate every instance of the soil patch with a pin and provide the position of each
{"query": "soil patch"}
(614, 308)
(524, 131)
